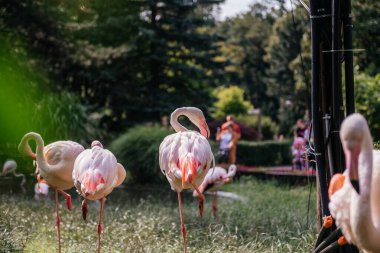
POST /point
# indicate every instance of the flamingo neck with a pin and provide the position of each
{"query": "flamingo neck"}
(174, 120)
(39, 155)
(362, 218)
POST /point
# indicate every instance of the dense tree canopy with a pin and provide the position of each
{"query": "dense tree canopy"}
(126, 62)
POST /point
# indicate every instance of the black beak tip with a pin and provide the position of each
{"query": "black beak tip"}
(355, 184)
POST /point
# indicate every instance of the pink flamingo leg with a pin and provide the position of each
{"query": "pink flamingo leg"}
(100, 222)
(68, 199)
(201, 199)
(215, 206)
(58, 221)
(182, 222)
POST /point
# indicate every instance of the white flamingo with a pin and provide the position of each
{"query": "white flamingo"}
(55, 163)
(10, 166)
(185, 157)
(214, 181)
(96, 173)
(356, 205)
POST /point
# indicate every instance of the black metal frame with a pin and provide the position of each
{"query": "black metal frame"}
(331, 40)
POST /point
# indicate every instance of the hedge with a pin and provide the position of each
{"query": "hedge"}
(264, 153)
(137, 150)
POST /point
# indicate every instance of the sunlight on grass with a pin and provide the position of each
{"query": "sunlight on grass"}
(272, 219)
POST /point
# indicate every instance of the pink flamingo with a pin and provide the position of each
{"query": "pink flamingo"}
(55, 163)
(185, 157)
(355, 195)
(96, 173)
(10, 166)
(214, 181)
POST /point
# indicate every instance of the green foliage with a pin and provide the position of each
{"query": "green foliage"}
(269, 128)
(367, 98)
(284, 47)
(247, 36)
(265, 153)
(230, 100)
(137, 150)
(366, 35)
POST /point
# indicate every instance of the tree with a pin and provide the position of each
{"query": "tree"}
(247, 36)
(230, 100)
(284, 47)
(367, 98)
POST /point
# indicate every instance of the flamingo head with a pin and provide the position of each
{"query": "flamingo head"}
(197, 117)
(9, 167)
(188, 165)
(352, 134)
(96, 143)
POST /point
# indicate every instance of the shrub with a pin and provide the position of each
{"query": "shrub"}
(137, 150)
(230, 100)
(265, 153)
(268, 127)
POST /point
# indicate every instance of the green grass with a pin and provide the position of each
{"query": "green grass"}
(271, 219)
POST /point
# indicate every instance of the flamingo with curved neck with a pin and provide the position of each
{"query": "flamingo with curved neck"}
(214, 181)
(55, 163)
(354, 206)
(185, 156)
(10, 166)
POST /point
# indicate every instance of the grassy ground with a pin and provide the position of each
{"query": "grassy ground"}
(271, 219)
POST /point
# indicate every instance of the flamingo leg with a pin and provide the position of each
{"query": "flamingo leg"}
(201, 199)
(182, 222)
(58, 221)
(215, 206)
(100, 222)
(84, 209)
(68, 199)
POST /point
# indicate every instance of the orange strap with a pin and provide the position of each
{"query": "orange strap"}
(327, 221)
(342, 240)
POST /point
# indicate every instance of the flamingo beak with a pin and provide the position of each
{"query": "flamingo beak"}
(352, 164)
(205, 131)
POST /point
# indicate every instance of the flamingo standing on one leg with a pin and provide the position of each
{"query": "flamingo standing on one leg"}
(185, 157)
(55, 163)
(96, 172)
(214, 181)
(356, 205)
(10, 166)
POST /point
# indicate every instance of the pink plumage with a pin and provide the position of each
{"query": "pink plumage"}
(186, 156)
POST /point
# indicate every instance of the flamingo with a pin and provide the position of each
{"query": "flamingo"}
(41, 189)
(96, 173)
(356, 205)
(10, 166)
(214, 181)
(55, 163)
(185, 157)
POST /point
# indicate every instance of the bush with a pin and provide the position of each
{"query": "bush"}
(137, 150)
(265, 153)
(268, 127)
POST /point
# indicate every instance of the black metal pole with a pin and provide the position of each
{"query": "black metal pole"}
(348, 57)
(337, 99)
(317, 14)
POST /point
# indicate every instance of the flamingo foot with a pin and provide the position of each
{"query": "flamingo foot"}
(84, 209)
